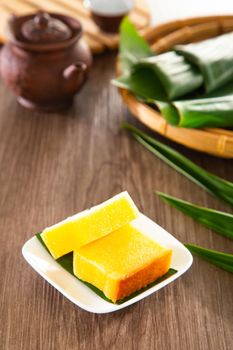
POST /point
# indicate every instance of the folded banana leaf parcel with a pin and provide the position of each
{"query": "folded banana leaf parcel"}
(192, 85)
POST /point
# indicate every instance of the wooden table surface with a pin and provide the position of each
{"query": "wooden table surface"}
(54, 165)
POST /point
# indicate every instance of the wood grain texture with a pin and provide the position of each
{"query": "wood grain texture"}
(53, 165)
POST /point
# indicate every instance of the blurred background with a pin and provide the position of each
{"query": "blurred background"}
(166, 10)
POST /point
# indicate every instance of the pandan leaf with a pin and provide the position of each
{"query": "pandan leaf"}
(176, 74)
(195, 113)
(198, 112)
(216, 220)
(214, 58)
(222, 260)
(205, 112)
(216, 111)
(160, 80)
(215, 185)
(132, 45)
(66, 262)
(212, 111)
(168, 111)
(141, 82)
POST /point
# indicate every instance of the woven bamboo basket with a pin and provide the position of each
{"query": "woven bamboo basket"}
(218, 142)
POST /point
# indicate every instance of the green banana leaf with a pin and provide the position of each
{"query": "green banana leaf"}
(158, 79)
(66, 262)
(213, 184)
(222, 260)
(214, 58)
(216, 220)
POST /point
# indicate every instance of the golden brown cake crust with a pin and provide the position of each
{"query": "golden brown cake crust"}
(145, 276)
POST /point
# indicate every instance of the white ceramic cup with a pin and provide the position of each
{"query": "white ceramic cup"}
(109, 7)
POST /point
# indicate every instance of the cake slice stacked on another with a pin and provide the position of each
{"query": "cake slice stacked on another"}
(109, 251)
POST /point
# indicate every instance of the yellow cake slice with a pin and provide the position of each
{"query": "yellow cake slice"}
(89, 225)
(122, 262)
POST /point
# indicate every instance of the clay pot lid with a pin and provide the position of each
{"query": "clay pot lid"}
(45, 29)
(58, 31)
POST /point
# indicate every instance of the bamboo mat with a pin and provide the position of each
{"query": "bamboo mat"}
(97, 40)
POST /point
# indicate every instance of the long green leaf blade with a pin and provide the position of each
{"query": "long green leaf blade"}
(216, 220)
(215, 185)
(222, 260)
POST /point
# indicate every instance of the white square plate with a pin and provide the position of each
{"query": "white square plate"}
(84, 297)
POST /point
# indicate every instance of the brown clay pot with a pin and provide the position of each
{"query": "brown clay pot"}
(44, 62)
